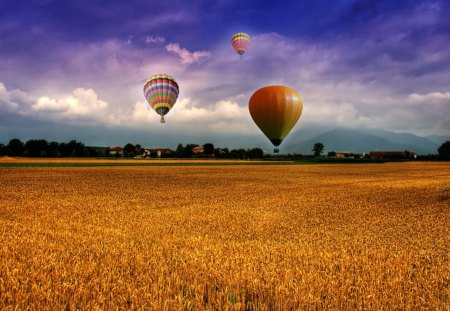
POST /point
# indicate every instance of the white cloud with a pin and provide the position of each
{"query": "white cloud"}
(422, 114)
(154, 39)
(222, 116)
(83, 104)
(6, 104)
(435, 97)
(45, 103)
(14, 101)
(221, 110)
(186, 56)
(141, 114)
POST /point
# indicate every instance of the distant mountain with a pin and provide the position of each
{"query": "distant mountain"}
(438, 139)
(365, 140)
(417, 142)
(300, 141)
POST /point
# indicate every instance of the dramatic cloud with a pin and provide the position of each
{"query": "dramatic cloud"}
(430, 112)
(81, 105)
(13, 102)
(422, 114)
(221, 117)
(186, 56)
(6, 104)
(380, 64)
(438, 98)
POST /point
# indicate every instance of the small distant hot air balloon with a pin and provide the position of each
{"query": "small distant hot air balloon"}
(275, 110)
(240, 42)
(161, 92)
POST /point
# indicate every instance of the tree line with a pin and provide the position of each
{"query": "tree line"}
(209, 150)
(188, 151)
(43, 148)
(74, 148)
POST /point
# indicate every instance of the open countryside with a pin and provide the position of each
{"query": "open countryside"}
(272, 237)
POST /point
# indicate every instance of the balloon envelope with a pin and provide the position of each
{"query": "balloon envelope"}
(275, 110)
(161, 92)
(240, 42)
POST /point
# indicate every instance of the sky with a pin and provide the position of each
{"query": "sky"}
(75, 69)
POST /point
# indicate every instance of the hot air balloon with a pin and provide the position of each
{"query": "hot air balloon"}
(240, 42)
(161, 92)
(275, 110)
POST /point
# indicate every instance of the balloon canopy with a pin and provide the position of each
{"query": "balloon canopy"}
(275, 110)
(240, 42)
(161, 92)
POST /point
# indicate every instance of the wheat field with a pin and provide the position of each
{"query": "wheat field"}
(290, 237)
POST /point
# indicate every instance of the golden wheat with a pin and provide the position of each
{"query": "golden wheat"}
(311, 237)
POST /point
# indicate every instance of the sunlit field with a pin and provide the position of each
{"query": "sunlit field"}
(273, 237)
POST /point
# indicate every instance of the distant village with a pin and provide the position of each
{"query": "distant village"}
(43, 148)
(198, 151)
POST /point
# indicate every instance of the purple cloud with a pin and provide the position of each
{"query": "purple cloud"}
(355, 63)
(186, 56)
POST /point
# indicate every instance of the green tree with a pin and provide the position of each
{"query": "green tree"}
(138, 149)
(179, 152)
(15, 147)
(208, 149)
(53, 149)
(76, 148)
(444, 150)
(221, 153)
(3, 150)
(238, 153)
(318, 149)
(129, 150)
(64, 150)
(234, 154)
(255, 153)
(187, 152)
(36, 148)
(92, 152)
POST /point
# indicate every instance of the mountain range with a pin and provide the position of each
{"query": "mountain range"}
(302, 140)
(366, 140)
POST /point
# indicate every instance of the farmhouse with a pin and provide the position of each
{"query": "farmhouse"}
(161, 152)
(344, 154)
(341, 154)
(116, 151)
(392, 154)
(197, 150)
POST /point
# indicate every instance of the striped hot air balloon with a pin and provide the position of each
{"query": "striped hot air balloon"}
(240, 42)
(161, 92)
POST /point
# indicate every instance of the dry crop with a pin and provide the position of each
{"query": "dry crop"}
(308, 237)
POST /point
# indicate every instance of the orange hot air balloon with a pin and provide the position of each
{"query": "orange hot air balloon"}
(275, 110)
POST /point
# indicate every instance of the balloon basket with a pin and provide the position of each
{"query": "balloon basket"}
(162, 120)
(276, 150)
